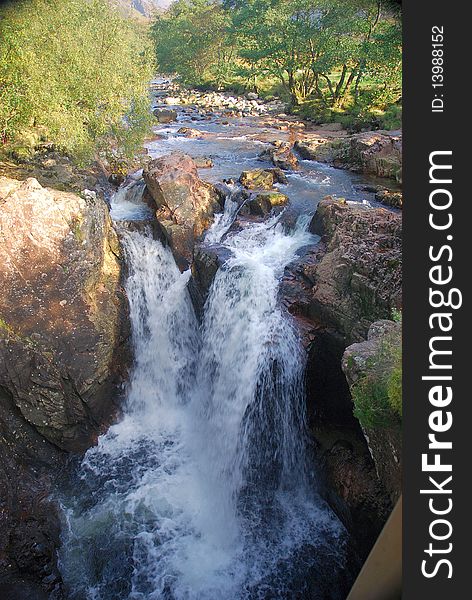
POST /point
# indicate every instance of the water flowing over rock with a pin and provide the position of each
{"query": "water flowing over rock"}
(185, 204)
(205, 486)
(62, 334)
(335, 290)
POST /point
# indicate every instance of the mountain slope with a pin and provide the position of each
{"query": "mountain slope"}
(145, 8)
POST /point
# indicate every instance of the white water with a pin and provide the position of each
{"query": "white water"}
(202, 491)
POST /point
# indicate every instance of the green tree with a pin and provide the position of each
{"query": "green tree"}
(77, 72)
(192, 38)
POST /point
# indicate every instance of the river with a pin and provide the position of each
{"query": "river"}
(206, 488)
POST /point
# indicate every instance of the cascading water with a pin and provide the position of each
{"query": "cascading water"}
(206, 490)
(202, 490)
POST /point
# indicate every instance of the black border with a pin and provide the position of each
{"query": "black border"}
(424, 132)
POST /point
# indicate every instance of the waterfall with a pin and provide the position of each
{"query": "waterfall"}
(203, 490)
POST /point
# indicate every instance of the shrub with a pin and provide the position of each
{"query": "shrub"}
(77, 71)
(377, 396)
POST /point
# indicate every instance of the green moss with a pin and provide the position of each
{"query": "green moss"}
(394, 390)
(377, 396)
(5, 326)
(76, 228)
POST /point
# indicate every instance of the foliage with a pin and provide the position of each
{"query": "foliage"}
(377, 395)
(339, 53)
(75, 73)
(193, 38)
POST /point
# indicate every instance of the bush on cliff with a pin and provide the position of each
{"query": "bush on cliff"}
(74, 73)
(377, 396)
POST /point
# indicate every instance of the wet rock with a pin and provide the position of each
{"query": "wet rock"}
(376, 153)
(280, 153)
(335, 290)
(309, 149)
(206, 263)
(188, 132)
(185, 205)
(258, 179)
(390, 198)
(263, 203)
(279, 176)
(116, 179)
(355, 492)
(203, 162)
(165, 115)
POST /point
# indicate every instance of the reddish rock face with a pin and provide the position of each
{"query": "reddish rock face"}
(62, 333)
(376, 153)
(61, 310)
(359, 276)
(185, 205)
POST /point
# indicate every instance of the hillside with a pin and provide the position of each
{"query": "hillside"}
(145, 8)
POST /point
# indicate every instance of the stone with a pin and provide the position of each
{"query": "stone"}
(358, 278)
(203, 162)
(63, 355)
(185, 205)
(263, 203)
(281, 155)
(390, 198)
(257, 179)
(189, 132)
(62, 310)
(377, 153)
(165, 115)
(385, 442)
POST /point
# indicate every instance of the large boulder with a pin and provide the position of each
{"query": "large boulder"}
(377, 153)
(358, 278)
(165, 115)
(281, 155)
(63, 329)
(185, 205)
(262, 179)
(262, 203)
(61, 311)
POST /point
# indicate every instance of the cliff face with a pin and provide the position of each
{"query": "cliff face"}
(353, 276)
(62, 348)
(373, 371)
(335, 291)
